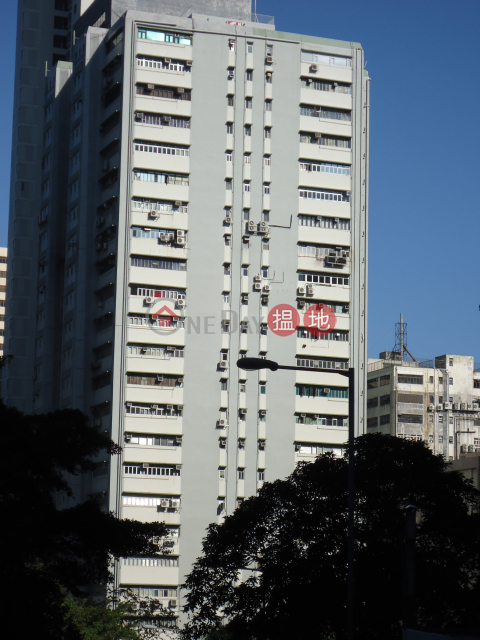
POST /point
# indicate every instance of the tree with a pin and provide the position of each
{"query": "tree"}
(291, 542)
(47, 552)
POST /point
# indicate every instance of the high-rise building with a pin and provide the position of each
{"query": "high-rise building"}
(198, 169)
(435, 401)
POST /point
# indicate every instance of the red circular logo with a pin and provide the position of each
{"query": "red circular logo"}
(283, 320)
(319, 319)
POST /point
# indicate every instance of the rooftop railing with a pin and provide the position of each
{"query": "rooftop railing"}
(256, 17)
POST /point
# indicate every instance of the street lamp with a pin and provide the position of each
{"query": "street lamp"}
(255, 364)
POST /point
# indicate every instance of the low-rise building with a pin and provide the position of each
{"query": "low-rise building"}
(437, 401)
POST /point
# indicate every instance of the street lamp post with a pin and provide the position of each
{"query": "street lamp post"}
(255, 364)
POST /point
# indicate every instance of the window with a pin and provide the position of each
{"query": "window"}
(266, 188)
(226, 269)
(268, 77)
(180, 179)
(264, 272)
(372, 403)
(440, 439)
(160, 91)
(320, 278)
(221, 473)
(321, 58)
(164, 36)
(266, 161)
(248, 103)
(261, 475)
(325, 140)
(324, 194)
(223, 385)
(265, 216)
(249, 47)
(409, 436)
(163, 64)
(268, 105)
(152, 263)
(164, 120)
(154, 379)
(150, 441)
(241, 474)
(230, 101)
(228, 156)
(168, 561)
(249, 76)
(156, 351)
(384, 400)
(244, 270)
(372, 384)
(450, 439)
(231, 45)
(229, 184)
(384, 380)
(247, 158)
(323, 363)
(385, 419)
(440, 419)
(325, 167)
(450, 362)
(313, 391)
(268, 133)
(372, 422)
(430, 379)
(324, 222)
(231, 73)
(440, 380)
(450, 381)
(229, 127)
(337, 336)
(323, 112)
(476, 384)
(410, 418)
(248, 130)
(158, 205)
(322, 421)
(325, 85)
(154, 147)
(409, 379)
(246, 187)
(269, 49)
(263, 388)
(242, 387)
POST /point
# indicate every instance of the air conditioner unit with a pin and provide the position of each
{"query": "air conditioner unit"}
(167, 118)
(266, 288)
(188, 63)
(159, 378)
(330, 260)
(439, 407)
(164, 237)
(169, 543)
(469, 407)
(257, 278)
(317, 135)
(181, 303)
(167, 60)
(345, 254)
(341, 261)
(220, 423)
(455, 406)
(471, 448)
(326, 390)
(319, 257)
(100, 222)
(463, 448)
(180, 90)
(223, 442)
(143, 350)
(149, 300)
(145, 465)
(241, 443)
(252, 226)
(264, 298)
(228, 220)
(223, 364)
(178, 440)
(261, 444)
(462, 406)
(129, 404)
(128, 437)
(475, 407)
(447, 406)
(178, 467)
(264, 228)
(301, 291)
(154, 406)
(269, 74)
(313, 68)
(269, 59)
(310, 289)
(138, 115)
(242, 412)
(165, 503)
(154, 214)
(96, 365)
(150, 87)
(257, 286)
(297, 447)
(301, 304)
(431, 407)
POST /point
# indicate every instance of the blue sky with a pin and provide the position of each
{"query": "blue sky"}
(423, 57)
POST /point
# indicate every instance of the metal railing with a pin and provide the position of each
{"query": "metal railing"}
(382, 364)
(256, 17)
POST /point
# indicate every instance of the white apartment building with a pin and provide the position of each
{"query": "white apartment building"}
(198, 169)
(435, 401)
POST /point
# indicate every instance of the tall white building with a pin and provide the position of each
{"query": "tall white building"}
(198, 169)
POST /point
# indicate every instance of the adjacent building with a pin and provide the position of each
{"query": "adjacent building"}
(197, 169)
(3, 288)
(435, 401)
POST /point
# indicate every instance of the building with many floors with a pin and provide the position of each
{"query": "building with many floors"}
(436, 401)
(197, 169)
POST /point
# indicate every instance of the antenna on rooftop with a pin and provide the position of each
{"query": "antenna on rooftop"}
(400, 347)
(254, 10)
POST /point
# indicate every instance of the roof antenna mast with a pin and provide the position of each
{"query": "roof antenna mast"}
(400, 347)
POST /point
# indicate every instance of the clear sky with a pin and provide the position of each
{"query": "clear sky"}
(424, 60)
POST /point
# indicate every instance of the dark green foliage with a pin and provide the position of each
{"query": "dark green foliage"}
(295, 532)
(47, 551)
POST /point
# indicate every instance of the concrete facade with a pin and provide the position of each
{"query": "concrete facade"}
(437, 401)
(207, 170)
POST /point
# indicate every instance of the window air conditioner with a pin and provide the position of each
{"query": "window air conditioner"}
(145, 465)
(475, 407)
(129, 404)
(257, 286)
(153, 214)
(228, 220)
(189, 63)
(181, 303)
(223, 442)
(164, 237)
(178, 467)
(317, 135)
(447, 406)
(175, 504)
(463, 448)
(462, 406)
(149, 300)
(431, 407)
(242, 412)
(138, 115)
(180, 90)
(220, 423)
(223, 364)
(301, 304)
(310, 289)
(266, 288)
(154, 406)
(257, 278)
(169, 407)
(167, 118)
(181, 241)
(455, 406)
(439, 407)
(264, 228)
(326, 390)
(159, 378)
(150, 87)
(164, 503)
(301, 291)
(268, 59)
(128, 437)
(261, 445)
(251, 226)
(230, 76)
(167, 60)
(313, 68)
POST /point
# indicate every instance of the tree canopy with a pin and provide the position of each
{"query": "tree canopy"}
(289, 545)
(48, 552)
